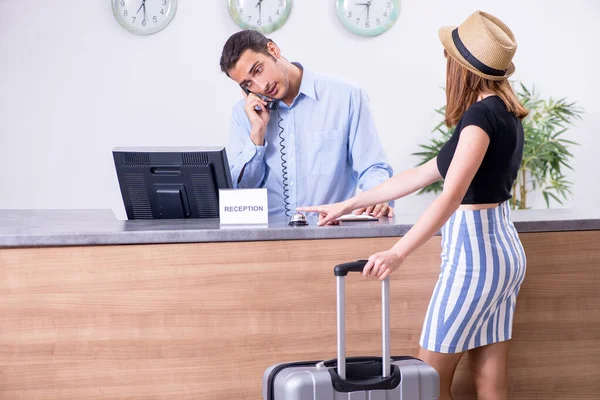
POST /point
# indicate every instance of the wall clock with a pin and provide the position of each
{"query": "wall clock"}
(144, 17)
(368, 17)
(264, 16)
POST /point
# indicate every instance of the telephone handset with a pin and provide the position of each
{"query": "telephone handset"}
(271, 103)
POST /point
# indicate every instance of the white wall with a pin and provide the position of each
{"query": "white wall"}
(74, 84)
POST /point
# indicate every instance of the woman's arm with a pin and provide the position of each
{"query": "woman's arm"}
(398, 186)
(394, 188)
(472, 146)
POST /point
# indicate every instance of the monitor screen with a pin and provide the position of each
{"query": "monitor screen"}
(171, 182)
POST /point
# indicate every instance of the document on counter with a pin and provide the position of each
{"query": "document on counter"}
(361, 217)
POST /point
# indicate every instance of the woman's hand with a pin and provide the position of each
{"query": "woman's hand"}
(382, 264)
(328, 213)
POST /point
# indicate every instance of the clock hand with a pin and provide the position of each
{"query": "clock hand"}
(141, 5)
(259, 5)
(363, 11)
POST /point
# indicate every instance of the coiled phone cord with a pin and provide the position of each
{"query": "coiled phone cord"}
(286, 195)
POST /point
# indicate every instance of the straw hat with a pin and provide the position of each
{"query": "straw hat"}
(483, 44)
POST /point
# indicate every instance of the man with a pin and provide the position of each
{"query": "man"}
(316, 147)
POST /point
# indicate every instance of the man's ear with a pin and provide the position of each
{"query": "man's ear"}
(273, 50)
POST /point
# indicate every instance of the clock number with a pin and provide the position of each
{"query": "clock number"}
(122, 3)
(349, 14)
(385, 14)
(125, 13)
(367, 24)
(164, 2)
(259, 22)
(154, 19)
(143, 22)
(277, 12)
(357, 20)
(249, 18)
(238, 3)
(241, 11)
(162, 11)
(378, 21)
(280, 3)
(270, 19)
(133, 19)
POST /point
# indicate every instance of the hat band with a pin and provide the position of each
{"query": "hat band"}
(472, 59)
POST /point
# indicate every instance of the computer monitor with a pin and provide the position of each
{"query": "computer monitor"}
(171, 182)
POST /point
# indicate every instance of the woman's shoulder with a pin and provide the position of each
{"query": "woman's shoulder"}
(479, 110)
(490, 104)
(482, 114)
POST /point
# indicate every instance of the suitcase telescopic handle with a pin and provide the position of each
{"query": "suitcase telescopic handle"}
(355, 266)
(340, 271)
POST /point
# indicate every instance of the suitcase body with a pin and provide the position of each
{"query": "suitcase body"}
(315, 381)
(355, 378)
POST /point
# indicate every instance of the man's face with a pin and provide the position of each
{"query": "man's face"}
(261, 73)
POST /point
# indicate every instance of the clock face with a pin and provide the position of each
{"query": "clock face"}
(144, 17)
(264, 16)
(368, 17)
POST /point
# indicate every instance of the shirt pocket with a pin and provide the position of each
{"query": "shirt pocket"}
(327, 151)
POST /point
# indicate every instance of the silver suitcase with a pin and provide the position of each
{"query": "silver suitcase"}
(355, 378)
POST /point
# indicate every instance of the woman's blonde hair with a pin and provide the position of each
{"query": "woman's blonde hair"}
(463, 87)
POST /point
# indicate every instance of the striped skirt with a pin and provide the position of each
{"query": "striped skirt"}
(483, 265)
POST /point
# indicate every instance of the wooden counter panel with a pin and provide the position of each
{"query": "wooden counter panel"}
(203, 321)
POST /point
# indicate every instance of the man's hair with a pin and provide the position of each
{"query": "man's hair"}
(240, 42)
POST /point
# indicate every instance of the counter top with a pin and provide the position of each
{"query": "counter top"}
(40, 228)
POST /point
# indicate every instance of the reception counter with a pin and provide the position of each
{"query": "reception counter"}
(97, 308)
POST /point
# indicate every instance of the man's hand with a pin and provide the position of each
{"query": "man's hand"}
(378, 211)
(258, 118)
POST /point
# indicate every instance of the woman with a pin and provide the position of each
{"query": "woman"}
(483, 263)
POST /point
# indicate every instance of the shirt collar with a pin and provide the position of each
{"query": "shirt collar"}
(307, 85)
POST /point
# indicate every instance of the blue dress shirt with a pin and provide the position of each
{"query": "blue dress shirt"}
(330, 147)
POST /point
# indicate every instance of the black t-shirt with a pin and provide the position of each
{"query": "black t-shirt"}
(498, 170)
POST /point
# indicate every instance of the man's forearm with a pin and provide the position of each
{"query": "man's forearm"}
(251, 175)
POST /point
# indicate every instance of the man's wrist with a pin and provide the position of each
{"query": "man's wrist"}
(257, 138)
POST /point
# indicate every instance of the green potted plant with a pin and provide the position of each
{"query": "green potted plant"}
(546, 152)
